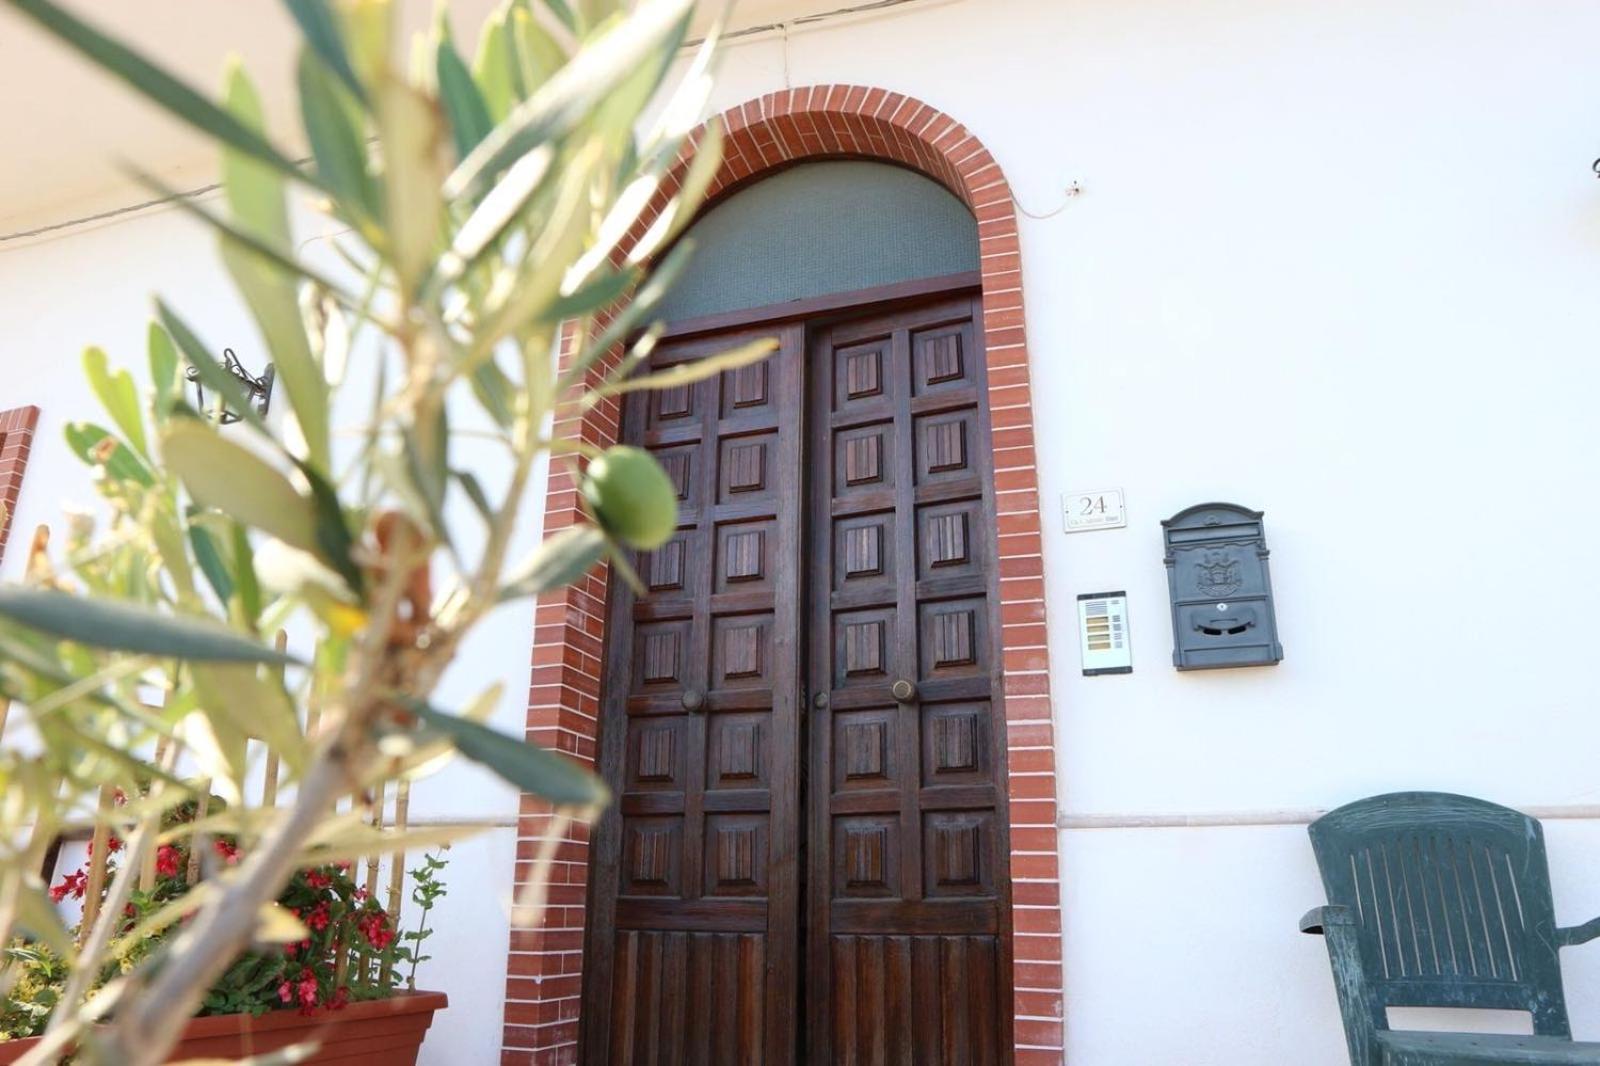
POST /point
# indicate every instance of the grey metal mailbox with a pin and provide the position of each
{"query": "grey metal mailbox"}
(1221, 590)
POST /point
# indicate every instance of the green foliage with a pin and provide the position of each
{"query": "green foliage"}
(560, 560)
(426, 890)
(530, 768)
(40, 975)
(345, 946)
(104, 624)
(481, 210)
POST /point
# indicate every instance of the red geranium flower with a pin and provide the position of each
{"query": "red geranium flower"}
(229, 852)
(374, 925)
(168, 859)
(318, 879)
(306, 990)
(113, 845)
(73, 884)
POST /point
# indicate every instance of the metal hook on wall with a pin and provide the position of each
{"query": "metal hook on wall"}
(257, 390)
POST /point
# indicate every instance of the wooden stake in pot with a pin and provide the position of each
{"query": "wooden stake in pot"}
(147, 867)
(99, 853)
(397, 872)
(197, 842)
(374, 859)
(269, 785)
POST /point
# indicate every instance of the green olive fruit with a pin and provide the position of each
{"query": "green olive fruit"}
(631, 497)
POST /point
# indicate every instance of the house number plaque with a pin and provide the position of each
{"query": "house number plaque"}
(1093, 509)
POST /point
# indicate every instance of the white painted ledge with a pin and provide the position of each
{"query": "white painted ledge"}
(1284, 816)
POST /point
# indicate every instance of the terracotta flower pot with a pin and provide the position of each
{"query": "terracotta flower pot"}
(389, 1031)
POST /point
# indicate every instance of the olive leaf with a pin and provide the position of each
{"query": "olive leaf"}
(560, 560)
(276, 925)
(221, 474)
(96, 446)
(691, 371)
(164, 375)
(126, 627)
(337, 149)
(463, 103)
(118, 396)
(257, 196)
(322, 34)
(563, 102)
(529, 767)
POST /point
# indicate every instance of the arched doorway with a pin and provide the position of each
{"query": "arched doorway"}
(543, 1009)
(808, 854)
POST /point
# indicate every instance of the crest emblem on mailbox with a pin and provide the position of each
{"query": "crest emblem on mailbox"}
(1221, 590)
(1217, 574)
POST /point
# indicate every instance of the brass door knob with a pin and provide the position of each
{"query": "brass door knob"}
(903, 691)
(693, 700)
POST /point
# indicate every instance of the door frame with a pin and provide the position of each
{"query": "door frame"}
(821, 310)
(544, 965)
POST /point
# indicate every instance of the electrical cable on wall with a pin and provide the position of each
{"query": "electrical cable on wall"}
(809, 20)
(1073, 192)
(786, 82)
(101, 216)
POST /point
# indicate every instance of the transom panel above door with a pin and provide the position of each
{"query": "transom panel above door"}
(800, 716)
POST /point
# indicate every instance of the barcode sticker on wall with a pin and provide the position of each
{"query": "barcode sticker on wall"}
(1103, 632)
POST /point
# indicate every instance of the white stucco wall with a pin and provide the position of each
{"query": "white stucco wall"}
(1336, 262)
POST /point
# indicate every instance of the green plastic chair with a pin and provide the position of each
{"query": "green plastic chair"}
(1437, 900)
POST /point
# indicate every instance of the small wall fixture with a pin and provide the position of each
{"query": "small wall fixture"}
(1221, 590)
(1103, 630)
(257, 390)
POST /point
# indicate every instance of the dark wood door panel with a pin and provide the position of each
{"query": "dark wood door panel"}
(915, 1000)
(908, 900)
(696, 875)
(688, 999)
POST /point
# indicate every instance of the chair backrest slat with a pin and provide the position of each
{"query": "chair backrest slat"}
(1451, 897)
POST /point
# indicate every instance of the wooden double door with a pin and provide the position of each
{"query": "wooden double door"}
(801, 721)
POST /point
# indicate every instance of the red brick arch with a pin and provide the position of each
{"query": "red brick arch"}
(544, 972)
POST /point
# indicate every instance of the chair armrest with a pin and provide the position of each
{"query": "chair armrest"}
(1362, 1013)
(1578, 934)
(1317, 919)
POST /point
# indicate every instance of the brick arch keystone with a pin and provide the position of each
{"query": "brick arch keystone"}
(544, 971)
